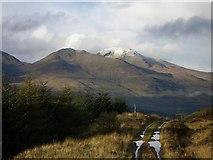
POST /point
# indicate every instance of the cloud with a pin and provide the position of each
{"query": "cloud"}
(33, 30)
(118, 5)
(74, 40)
(30, 49)
(180, 27)
(17, 24)
(148, 47)
(137, 15)
(96, 42)
(42, 33)
(171, 48)
(165, 51)
(32, 36)
(21, 23)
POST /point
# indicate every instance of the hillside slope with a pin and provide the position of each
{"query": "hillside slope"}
(150, 84)
(188, 137)
(129, 74)
(11, 66)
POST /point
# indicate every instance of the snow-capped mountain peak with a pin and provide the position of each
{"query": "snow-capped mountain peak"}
(119, 52)
(127, 55)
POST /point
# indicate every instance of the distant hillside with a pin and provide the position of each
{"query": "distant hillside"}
(11, 66)
(122, 72)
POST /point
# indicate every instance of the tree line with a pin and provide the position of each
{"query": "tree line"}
(33, 114)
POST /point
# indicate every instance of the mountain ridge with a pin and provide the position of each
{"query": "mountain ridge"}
(126, 76)
(75, 51)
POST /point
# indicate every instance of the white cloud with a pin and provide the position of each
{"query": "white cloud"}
(139, 15)
(42, 33)
(147, 48)
(170, 48)
(96, 42)
(95, 26)
(165, 51)
(74, 40)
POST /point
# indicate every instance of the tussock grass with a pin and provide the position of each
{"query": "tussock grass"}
(147, 152)
(108, 146)
(190, 137)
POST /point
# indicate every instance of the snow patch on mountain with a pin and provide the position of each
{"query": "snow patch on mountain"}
(127, 54)
(119, 52)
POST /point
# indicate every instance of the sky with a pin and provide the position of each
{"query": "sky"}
(178, 32)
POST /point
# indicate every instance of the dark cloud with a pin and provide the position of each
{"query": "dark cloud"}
(21, 23)
(193, 26)
(17, 38)
(17, 24)
(17, 30)
(30, 49)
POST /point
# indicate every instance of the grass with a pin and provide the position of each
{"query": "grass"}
(115, 144)
(108, 146)
(187, 137)
(190, 137)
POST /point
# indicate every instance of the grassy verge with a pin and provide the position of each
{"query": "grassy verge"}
(108, 146)
(190, 137)
(117, 143)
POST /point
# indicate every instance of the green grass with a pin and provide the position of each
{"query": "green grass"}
(115, 144)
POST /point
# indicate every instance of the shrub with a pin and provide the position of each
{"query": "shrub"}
(107, 122)
(119, 105)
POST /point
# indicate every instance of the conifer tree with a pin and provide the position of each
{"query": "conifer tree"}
(45, 97)
(103, 103)
(9, 94)
(65, 97)
(28, 93)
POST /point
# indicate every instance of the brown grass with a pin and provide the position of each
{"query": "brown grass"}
(117, 144)
(195, 141)
(108, 146)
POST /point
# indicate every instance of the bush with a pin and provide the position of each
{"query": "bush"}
(107, 122)
(102, 104)
(119, 105)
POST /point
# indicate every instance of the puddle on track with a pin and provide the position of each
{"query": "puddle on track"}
(141, 141)
(157, 146)
(156, 143)
(138, 145)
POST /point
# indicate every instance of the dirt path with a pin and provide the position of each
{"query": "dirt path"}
(148, 146)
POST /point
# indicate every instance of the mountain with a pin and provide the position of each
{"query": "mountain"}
(130, 55)
(119, 52)
(11, 66)
(147, 82)
(179, 74)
